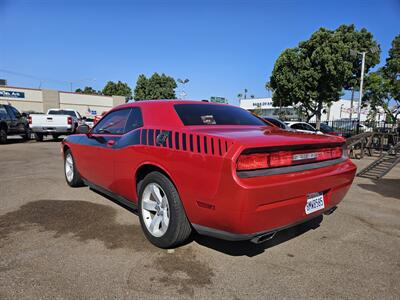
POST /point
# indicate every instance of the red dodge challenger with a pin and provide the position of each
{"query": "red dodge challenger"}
(213, 168)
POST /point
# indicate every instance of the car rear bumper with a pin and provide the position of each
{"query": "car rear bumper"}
(266, 204)
(256, 236)
(50, 130)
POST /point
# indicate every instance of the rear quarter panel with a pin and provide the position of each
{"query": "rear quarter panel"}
(195, 170)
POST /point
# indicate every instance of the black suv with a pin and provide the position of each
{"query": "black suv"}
(12, 122)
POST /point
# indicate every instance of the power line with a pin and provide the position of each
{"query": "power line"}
(41, 80)
(33, 77)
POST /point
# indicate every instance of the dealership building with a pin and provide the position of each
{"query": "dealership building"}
(40, 100)
(341, 109)
(263, 107)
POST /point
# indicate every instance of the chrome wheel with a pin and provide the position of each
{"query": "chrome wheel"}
(155, 210)
(69, 167)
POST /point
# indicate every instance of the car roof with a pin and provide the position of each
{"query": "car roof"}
(62, 109)
(167, 102)
(295, 122)
(153, 109)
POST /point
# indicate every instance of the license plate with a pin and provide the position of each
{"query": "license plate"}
(315, 202)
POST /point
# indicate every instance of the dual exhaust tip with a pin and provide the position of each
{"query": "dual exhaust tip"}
(270, 235)
(263, 237)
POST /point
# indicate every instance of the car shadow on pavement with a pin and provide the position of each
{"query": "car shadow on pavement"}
(132, 210)
(384, 186)
(247, 248)
(241, 248)
(12, 141)
(16, 141)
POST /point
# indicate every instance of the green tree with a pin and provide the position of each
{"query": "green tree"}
(88, 90)
(358, 41)
(140, 91)
(313, 74)
(382, 88)
(155, 87)
(117, 89)
(391, 70)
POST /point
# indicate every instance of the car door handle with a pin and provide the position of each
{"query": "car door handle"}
(110, 143)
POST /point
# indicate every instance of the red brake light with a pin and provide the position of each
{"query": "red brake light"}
(282, 158)
(286, 158)
(69, 120)
(252, 161)
(30, 120)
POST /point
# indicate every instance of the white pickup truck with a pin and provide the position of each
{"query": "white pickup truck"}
(56, 122)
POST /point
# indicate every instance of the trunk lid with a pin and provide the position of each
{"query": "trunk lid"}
(260, 137)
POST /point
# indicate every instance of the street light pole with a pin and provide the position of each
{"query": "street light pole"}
(355, 53)
(340, 113)
(361, 86)
(183, 82)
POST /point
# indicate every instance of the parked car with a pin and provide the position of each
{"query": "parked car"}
(88, 121)
(212, 168)
(303, 127)
(56, 122)
(326, 129)
(12, 122)
(277, 123)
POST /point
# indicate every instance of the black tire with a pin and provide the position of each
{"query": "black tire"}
(76, 180)
(179, 228)
(39, 137)
(55, 136)
(3, 135)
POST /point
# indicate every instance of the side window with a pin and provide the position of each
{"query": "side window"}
(10, 112)
(3, 112)
(16, 112)
(298, 126)
(113, 123)
(135, 120)
(308, 127)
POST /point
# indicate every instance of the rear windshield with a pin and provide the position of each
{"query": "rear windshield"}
(62, 112)
(209, 114)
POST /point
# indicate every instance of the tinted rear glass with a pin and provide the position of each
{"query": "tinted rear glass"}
(62, 112)
(209, 114)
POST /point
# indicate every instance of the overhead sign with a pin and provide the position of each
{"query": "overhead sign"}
(256, 103)
(219, 100)
(12, 94)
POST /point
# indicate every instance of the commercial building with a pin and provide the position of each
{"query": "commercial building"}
(338, 110)
(40, 100)
(263, 107)
(342, 110)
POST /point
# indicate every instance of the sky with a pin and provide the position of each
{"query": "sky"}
(221, 46)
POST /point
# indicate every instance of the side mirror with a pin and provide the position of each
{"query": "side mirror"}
(84, 118)
(83, 129)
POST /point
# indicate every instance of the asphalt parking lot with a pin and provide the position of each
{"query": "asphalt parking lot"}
(59, 242)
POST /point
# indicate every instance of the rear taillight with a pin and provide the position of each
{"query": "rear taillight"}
(252, 162)
(30, 120)
(279, 159)
(69, 120)
(286, 158)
